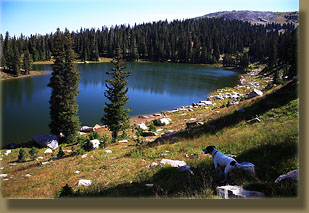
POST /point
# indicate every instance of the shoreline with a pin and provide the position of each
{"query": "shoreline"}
(145, 118)
(5, 76)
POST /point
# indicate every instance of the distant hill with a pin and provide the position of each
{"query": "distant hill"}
(257, 17)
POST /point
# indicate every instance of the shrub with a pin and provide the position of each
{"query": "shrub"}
(104, 141)
(33, 153)
(94, 135)
(66, 191)
(152, 127)
(61, 153)
(22, 155)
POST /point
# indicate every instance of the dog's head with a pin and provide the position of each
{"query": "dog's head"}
(209, 149)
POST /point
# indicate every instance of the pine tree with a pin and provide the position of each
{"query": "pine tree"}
(116, 116)
(27, 63)
(64, 83)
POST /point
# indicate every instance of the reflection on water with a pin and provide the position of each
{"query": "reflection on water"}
(153, 87)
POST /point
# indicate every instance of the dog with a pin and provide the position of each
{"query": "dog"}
(221, 161)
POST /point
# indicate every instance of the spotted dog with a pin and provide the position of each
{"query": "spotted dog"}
(221, 161)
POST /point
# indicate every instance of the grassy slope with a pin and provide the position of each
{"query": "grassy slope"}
(271, 145)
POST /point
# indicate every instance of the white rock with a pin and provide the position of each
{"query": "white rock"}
(159, 130)
(163, 121)
(152, 165)
(86, 129)
(7, 152)
(83, 182)
(77, 172)
(84, 155)
(141, 126)
(48, 151)
(149, 185)
(108, 151)
(290, 176)
(40, 158)
(43, 163)
(123, 141)
(3, 175)
(28, 175)
(173, 163)
(227, 192)
(50, 141)
(1, 159)
(95, 143)
(185, 168)
(1, 168)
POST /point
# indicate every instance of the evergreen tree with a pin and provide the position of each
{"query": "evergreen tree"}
(64, 83)
(116, 116)
(27, 63)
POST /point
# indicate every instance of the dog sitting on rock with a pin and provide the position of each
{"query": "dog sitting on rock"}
(221, 161)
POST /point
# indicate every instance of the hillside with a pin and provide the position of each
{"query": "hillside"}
(256, 17)
(129, 169)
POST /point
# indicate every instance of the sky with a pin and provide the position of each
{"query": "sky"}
(45, 16)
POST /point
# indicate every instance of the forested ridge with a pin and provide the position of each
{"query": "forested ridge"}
(184, 41)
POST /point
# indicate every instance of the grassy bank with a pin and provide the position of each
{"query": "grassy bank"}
(6, 76)
(270, 144)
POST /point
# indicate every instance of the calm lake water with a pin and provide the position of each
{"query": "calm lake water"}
(153, 87)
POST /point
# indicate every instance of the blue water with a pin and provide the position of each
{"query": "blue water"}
(153, 87)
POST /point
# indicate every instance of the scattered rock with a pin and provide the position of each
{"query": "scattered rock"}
(157, 114)
(95, 143)
(99, 127)
(152, 165)
(48, 151)
(163, 121)
(86, 129)
(148, 133)
(247, 167)
(40, 158)
(77, 172)
(28, 175)
(191, 124)
(143, 117)
(254, 120)
(149, 185)
(1, 168)
(173, 163)
(43, 163)
(185, 168)
(141, 126)
(146, 140)
(108, 151)
(83, 182)
(228, 192)
(159, 130)
(84, 155)
(123, 141)
(254, 93)
(7, 152)
(50, 141)
(291, 176)
(3, 175)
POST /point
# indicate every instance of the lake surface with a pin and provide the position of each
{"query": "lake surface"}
(153, 87)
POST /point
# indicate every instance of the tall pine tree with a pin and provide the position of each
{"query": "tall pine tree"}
(27, 63)
(116, 116)
(64, 83)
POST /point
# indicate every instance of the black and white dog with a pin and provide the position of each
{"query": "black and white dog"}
(221, 161)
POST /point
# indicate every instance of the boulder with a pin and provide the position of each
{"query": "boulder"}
(291, 176)
(254, 120)
(173, 163)
(191, 124)
(185, 168)
(152, 165)
(254, 93)
(163, 121)
(48, 151)
(50, 141)
(143, 117)
(247, 167)
(95, 143)
(83, 182)
(86, 129)
(7, 152)
(148, 133)
(141, 126)
(228, 192)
